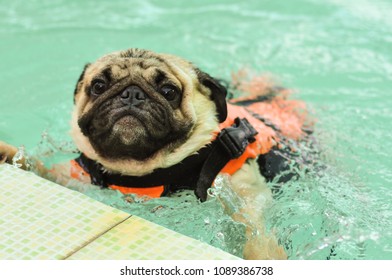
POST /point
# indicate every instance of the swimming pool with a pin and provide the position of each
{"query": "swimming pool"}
(336, 54)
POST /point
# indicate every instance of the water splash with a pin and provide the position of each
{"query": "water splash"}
(21, 159)
(53, 149)
(20, 154)
(327, 214)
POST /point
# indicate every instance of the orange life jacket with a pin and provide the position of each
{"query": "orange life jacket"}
(273, 120)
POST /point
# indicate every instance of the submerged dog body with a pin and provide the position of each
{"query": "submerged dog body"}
(143, 116)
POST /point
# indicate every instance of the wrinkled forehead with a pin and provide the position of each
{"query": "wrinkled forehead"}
(118, 66)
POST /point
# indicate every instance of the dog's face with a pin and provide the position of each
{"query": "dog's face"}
(137, 107)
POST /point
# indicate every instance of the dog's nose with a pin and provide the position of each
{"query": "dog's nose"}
(133, 95)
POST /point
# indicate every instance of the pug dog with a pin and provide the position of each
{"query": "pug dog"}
(149, 121)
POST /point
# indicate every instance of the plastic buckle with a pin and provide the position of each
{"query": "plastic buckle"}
(237, 137)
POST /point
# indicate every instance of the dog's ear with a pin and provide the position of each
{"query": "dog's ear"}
(218, 93)
(81, 77)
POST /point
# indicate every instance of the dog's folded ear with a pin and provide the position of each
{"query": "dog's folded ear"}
(81, 77)
(218, 93)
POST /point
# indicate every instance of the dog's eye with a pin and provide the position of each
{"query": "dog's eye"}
(169, 92)
(98, 87)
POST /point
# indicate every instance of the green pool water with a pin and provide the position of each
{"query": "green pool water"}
(337, 55)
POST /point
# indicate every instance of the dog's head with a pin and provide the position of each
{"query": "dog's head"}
(137, 110)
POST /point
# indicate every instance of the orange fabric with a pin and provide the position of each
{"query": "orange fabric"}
(288, 115)
(265, 139)
(77, 172)
(153, 192)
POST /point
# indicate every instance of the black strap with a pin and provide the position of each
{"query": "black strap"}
(94, 169)
(185, 173)
(230, 144)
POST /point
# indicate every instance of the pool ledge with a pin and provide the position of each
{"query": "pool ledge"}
(42, 220)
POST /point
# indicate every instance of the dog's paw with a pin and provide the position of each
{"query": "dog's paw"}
(7, 152)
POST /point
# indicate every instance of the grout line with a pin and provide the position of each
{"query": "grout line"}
(94, 238)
